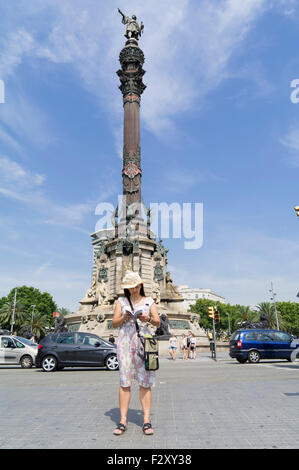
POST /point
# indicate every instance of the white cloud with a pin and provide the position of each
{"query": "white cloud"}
(13, 176)
(181, 180)
(291, 142)
(27, 188)
(15, 46)
(66, 286)
(188, 46)
(247, 261)
(23, 120)
(7, 139)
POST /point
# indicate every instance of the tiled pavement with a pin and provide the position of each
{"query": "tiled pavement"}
(199, 404)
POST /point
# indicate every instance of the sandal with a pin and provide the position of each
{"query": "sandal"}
(121, 427)
(145, 427)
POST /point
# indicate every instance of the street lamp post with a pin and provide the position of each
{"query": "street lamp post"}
(274, 301)
(13, 313)
(33, 307)
(229, 332)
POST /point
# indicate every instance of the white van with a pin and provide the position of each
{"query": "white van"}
(17, 350)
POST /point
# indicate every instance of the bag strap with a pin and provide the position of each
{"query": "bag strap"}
(135, 319)
(152, 340)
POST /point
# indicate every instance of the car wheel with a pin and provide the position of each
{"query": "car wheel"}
(26, 362)
(49, 363)
(111, 362)
(254, 357)
(241, 360)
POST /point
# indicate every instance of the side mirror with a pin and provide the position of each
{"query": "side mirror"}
(97, 344)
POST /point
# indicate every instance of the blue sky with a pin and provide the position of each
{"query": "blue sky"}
(217, 127)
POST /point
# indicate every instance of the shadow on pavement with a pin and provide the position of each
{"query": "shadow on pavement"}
(134, 416)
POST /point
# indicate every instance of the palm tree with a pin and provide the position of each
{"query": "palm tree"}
(6, 315)
(64, 311)
(40, 322)
(246, 314)
(268, 309)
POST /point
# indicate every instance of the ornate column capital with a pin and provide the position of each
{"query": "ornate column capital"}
(131, 73)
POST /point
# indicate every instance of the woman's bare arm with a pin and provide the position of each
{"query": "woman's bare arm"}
(118, 319)
(155, 320)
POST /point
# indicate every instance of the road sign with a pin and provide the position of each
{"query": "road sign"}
(56, 314)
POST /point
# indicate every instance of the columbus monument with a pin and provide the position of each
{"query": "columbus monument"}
(130, 245)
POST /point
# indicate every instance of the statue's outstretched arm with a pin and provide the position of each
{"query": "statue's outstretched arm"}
(125, 19)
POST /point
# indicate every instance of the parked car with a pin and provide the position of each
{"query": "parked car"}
(253, 345)
(75, 349)
(17, 350)
(5, 332)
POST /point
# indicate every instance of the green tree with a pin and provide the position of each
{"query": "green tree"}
(246, 313)
(268, 309)
(26, 298)
(29, 296)
(64, 311)
(289, 313)
(226, 312)
(39, 324)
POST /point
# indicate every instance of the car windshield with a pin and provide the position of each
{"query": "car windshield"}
(108, 342)
(25, 341)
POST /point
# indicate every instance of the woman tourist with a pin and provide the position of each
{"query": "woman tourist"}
(131, 365)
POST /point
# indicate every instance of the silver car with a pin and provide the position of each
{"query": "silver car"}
(17, 350)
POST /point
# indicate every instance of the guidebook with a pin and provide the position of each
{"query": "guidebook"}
(135, 314)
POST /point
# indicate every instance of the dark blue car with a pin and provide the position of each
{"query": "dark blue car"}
(253, 345)
(75, 349)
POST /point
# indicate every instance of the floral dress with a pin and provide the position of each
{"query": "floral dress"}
(131, 365)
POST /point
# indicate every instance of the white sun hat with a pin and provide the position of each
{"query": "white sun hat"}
(131, 279)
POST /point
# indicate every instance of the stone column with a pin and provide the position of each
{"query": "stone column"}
(131, 59)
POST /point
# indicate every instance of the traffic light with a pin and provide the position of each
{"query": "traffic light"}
(217, 316)
(297, 210)
(211, 312)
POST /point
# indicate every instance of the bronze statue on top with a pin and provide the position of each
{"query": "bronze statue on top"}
(133, 30)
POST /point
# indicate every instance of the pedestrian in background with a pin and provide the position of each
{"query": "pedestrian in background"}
(33, 339)
(183, 346)
(111, 339)
(172, 346)
(193, 346)
(188, 343)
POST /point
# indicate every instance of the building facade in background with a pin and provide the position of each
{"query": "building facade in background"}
(192, 294)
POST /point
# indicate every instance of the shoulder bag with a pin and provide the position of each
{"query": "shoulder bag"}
(149, 350)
